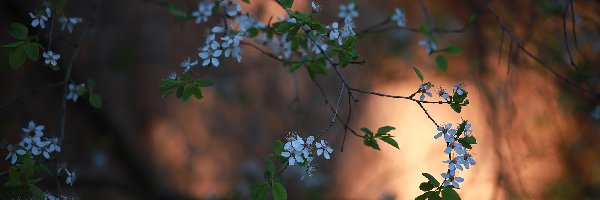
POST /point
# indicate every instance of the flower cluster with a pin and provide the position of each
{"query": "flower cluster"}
(459, 155)
(33, 143)
(299, 151)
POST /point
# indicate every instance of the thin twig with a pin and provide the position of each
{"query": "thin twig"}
(529, 54)
(29, 91)
(335, 114)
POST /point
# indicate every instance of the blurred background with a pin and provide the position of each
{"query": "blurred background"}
(537, 136)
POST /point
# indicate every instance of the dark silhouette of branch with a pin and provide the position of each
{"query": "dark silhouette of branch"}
(530, 55)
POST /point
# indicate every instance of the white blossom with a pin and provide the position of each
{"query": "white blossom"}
(399, 17)
(424, 88)
(453, 164)
(245, 22)
(348, 11)
(73, 93)
(71, 176)
(348, 29)
(187, 64)
(40, 19)
(69, 23)
(173, 76)
(466, 160)
(231, 45)
(456, 146)
(232, 8)
(323, 149)
(315, 7)
(204, 11)
(429, 45)
(458, 89)
(210, 52)
(452, 179)
(51, 58)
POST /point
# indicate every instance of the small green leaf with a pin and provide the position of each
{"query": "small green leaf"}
(294, 66)
(287, 3)
(270, 165)
(14, 44)
(259, 192)
(204, 83)
(36, 192)
(431, 179)
(16, 57)
(18, 31)
(176, 11)
(246, 1)
(472, 19)
(32, 50)
(390, 141)
(371, 142)
(442, 62)
(28, 167)
(450, 194)
(452, 49)
(187, 93)
(419, 74)
(426, 186)
(424, 29)
(95, 101)
(197, 93)
(278, 190)
(284, 27)
(384, 130)
(456, 107)
(367, 131)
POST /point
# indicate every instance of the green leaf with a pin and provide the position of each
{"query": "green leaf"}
(472, 19)
(246, 1)
(371, 142)
(431, 179)
(384, 130)
(467, 141)
(450, 194)
(252, 32)
(279, 192)
(16, 57)
(32, 50)
(278, 146)
(390, 140)
(442, 62)
(14, 44)
(270, 166)
(316, 68)
(204, 83)
(287, 3)
(95, 101)
(187, 93)
(18, 31)
(456, 107)
(426, 186)
(434, 196)
(259, 192)
(176, 11)
(284, 27)
(28, 167)
(452, 49)
(419, 74)
(36, 192)
(424, 29)
(294, 66)
(197, 93)
(366, 131)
